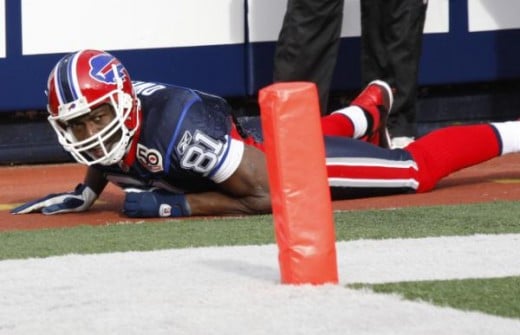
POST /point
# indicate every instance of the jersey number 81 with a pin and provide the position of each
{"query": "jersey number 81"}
(202, 154)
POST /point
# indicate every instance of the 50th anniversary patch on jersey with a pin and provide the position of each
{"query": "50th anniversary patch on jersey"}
(151, 159)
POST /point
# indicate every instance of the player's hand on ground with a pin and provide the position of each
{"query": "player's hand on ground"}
(154, 203)
(79, 200)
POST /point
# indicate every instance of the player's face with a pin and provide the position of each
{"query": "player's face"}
(89, 125)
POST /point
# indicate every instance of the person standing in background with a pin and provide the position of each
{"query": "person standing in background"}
(391, 43)
(308, 44)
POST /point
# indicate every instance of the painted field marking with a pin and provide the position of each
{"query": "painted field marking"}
(7, 207)
(506, 181)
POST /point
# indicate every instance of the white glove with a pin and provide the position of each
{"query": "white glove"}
(77, 201)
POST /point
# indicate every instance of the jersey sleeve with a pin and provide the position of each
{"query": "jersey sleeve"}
(229, 162)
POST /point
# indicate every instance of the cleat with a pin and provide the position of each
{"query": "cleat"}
(376, 99)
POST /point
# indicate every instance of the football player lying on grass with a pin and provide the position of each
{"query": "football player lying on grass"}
(177, 151)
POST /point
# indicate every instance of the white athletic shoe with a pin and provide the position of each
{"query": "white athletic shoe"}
(401, 142)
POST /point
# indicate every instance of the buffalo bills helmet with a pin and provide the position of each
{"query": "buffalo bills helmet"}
(82, 81)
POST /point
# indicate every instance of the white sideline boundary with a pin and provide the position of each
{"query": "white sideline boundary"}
(236, 290)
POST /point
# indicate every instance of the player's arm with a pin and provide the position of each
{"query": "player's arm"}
(246, 191)
(95, 180)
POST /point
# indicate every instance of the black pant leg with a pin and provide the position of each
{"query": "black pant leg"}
(308, 44)
(391, 49)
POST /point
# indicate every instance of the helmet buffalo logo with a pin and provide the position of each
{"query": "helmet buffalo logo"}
(102, 71)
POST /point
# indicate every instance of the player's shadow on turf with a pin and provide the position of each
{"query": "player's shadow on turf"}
(245, 269)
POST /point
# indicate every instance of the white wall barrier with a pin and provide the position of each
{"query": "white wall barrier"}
(203, 43)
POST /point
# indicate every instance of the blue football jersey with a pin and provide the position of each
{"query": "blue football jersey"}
(184, 144)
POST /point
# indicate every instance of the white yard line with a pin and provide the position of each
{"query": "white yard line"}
(393, 260)
(236, 290)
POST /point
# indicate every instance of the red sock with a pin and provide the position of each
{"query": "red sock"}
(450, 149)
(337, 125)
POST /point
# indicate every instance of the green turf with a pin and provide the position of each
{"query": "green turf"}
(486, 218)
(497, 296)
(490, 218)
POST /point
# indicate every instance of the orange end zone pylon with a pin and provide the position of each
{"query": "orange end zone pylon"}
(300, 196)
